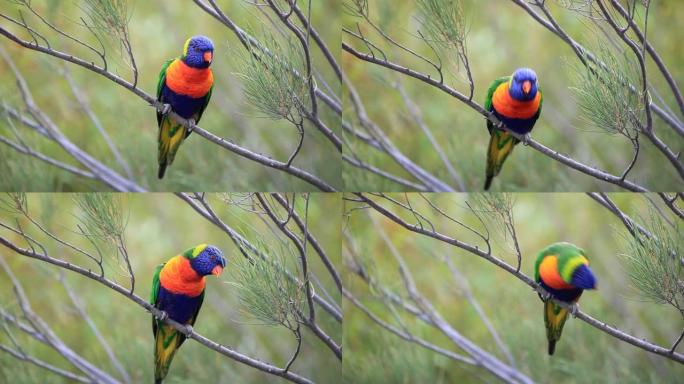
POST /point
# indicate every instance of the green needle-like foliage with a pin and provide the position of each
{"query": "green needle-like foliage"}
(604, 95)
(444, 21)
(273, 78)
(108, 20)
(265, 291)
(101, 214)
(14, 203)
(357, 8)
(102, 222)
(496, 203)
(655, 263)
(110, 17)
(444, 26)
(496, 209)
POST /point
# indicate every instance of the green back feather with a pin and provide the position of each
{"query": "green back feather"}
(155, 294)
(160, 85)
(569, 257)
(492, 88)
(193, 252)
(162, 77)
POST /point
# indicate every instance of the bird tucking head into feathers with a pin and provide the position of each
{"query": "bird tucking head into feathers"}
(583, 278)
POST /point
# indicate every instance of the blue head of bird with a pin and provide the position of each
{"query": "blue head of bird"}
(198, 52)
(583, 277)
(206, 260)
(523, 86)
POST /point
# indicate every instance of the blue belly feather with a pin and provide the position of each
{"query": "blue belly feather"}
(185, 106)
(567, 295)
(179, 307)
(520, 126)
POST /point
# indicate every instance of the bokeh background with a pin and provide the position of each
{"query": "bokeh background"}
(583, 355)
(158, 31)
(160, 226)
(502, 37)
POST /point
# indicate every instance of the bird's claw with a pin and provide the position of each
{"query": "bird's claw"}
(574, 308)
(166, 108)
(545, 296)
(188, 329)
(163, 316)
(526, 139)
(191, 125)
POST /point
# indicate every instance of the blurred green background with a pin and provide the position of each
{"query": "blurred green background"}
(160, 226)
(158, 31)
(502, 37)
(583, 355)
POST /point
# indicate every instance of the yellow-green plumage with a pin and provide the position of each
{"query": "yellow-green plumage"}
(171, 135)
(516, 102)
(167, 340)
(178, 288)
(185, 84)
(501, 145)
(562, 270)
(554, 318)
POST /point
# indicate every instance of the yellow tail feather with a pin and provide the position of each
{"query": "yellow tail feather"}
(554, 317)
(500, 146)
(166, 344)
(171, 135)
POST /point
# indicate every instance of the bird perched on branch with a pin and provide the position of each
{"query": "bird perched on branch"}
(185, 85)
(516, 101)
(178, 291)
(562, 269)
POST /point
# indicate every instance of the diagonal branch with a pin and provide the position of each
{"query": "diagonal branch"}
(608, 329)
(208, 213)
(566, 160)
(187, 331)
(241, 151)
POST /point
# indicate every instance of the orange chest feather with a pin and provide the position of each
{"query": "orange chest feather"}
(188, 81)
(178, 277)
(548, 271)
(514, 109)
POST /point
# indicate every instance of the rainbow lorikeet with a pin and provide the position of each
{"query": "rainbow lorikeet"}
(562, 269)
(515, 100)
(178, 290)
(185, 85)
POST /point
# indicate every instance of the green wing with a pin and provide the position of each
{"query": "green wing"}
(160, 85)
(492, 88)
(155, 294)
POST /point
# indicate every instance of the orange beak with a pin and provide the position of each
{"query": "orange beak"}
(526, 87)
(208, 56)
(217, 270)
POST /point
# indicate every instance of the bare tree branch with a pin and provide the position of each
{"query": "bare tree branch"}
(36, 250)
(591, 171)
(602, 326)
(40, 330)
(309, 321)
(44, 125)
(286, 167)
(245, 246)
